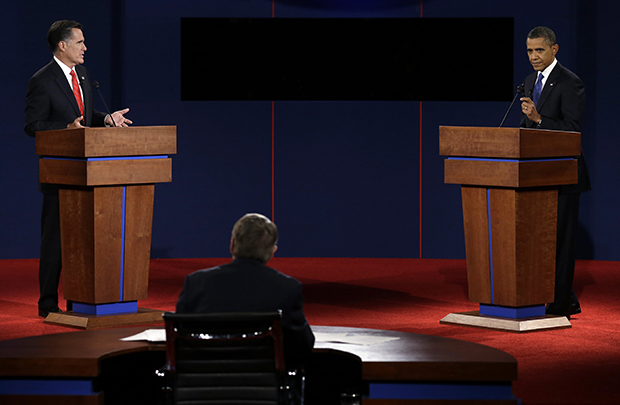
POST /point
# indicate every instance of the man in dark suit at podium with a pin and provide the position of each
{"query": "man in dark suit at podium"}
(246, 284)
(555, 99)
(59, 96)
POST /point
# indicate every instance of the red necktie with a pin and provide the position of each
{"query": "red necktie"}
(77, 93)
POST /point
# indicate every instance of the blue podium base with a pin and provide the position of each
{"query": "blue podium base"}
(114, 308)
(512, 312)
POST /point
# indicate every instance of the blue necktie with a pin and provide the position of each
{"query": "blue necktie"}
(538, 89)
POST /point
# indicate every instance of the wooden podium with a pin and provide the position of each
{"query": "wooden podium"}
(106, 182)
(509, 184)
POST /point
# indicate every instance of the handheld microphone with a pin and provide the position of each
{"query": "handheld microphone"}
(96, 86)
(520, 89)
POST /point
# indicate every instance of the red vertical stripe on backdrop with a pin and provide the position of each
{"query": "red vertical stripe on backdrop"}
(273, 183)
(420, 190)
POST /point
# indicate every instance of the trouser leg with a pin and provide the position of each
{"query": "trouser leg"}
(50, 263)
(568, 221)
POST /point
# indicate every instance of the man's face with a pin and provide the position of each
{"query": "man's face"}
(73, 49)
(540, 53)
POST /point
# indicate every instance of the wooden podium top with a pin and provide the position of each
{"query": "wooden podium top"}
(106, 142)
(507, 143)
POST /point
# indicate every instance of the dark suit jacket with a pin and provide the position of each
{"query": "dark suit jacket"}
(561, 106)
(246, 285)
(50, 103)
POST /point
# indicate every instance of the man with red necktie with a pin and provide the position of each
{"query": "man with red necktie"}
(59, 96)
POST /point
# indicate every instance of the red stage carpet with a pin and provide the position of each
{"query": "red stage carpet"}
(580, 365)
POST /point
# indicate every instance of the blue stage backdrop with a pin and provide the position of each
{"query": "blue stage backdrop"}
(342, 178)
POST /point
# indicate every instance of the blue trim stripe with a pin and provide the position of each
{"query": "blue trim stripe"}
(124, 225)
(490, 244)
(125, 158)
(441, 391)
(11, 386)
(98, 159)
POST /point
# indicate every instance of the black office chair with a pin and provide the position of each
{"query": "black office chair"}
(227, 358)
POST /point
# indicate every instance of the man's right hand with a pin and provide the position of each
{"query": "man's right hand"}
(76, 123)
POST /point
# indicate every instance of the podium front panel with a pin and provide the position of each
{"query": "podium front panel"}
(106, 238)
(91, 233)
(139, 220)
(477, 248)
(510, 238)
(510, 173)
(103, 172)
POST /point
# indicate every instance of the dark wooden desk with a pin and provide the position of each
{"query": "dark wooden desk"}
(415, 369)
(419, 368)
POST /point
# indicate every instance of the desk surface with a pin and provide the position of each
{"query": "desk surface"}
(425, 357)
(411, 357)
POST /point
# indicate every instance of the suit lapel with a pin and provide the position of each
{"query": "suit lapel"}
(63, 84)
(529, 86)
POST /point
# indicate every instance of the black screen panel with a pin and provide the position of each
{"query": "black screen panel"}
(440, 59)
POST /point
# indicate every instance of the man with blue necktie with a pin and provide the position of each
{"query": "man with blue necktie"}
(555, 100)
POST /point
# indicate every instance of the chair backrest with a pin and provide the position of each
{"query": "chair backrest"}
(226, 358)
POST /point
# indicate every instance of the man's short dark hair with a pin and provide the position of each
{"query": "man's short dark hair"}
(61, 31)
(254, 237)
(543, 32)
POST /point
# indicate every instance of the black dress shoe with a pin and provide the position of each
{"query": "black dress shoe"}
(551, 309)
(574, 309)
(44, 312)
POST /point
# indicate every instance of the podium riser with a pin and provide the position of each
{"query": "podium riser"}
(106, 238)
(510, 238)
